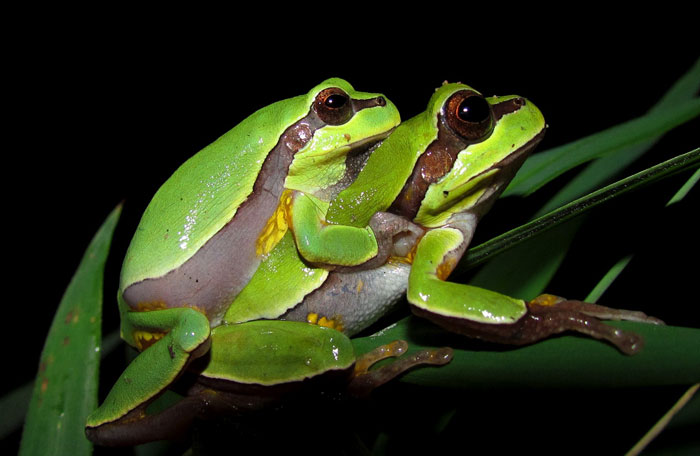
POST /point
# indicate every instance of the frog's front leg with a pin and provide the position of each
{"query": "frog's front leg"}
(491, 316)
(172, 338)
(345, 247)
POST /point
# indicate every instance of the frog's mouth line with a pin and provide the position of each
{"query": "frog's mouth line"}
(355, 160)
(370, 141)
(523, 151)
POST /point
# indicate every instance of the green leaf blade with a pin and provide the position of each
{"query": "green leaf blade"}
(65, 390)
(544, 167)
(615, 147)
(680, 163)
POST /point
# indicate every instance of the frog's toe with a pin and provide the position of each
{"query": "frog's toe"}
(365, 380)
(594, 310)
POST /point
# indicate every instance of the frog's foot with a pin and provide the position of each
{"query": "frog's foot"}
(364, 380)
(554, 314)
(593, 310)
(547, 315)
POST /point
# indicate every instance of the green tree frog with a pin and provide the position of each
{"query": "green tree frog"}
(263, 253)
(442, 170)
(213, 263)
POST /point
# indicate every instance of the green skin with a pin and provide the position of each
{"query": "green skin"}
(467, 190)
(361, 229)
(190, 210)
(444, 216)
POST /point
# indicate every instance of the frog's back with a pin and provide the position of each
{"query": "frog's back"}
(204, 194)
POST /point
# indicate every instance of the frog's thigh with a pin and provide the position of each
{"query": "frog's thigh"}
(173, 337)
(270, 352)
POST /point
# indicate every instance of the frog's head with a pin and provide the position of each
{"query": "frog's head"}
(346, 124)
(480, 145)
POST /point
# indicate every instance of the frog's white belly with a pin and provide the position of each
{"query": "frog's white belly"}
(355, 299)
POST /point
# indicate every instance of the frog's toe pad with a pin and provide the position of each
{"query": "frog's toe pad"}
(365, 380)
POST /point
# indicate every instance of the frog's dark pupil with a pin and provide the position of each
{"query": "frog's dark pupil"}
(335, 101)
(473, 109)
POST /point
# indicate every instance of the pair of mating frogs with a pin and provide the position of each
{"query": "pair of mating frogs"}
(263, 253)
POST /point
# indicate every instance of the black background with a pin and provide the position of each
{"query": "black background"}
(97, 121)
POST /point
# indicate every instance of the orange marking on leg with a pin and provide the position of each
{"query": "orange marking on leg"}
(446, 268)
(546, 300)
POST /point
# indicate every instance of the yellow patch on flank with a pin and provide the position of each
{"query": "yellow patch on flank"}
(410, 256)
(360, 286)
(148, 306)
(400, 259)
(276, 226)
(144, 339)
(333, 323)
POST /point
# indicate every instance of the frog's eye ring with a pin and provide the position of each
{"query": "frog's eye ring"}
(333, 106)
(469, 115)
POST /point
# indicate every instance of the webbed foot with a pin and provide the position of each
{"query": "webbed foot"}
(365, 380)
(547, 315)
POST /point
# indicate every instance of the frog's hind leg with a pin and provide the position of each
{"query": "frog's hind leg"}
(176, 337)
(547, 315)
(559, 314)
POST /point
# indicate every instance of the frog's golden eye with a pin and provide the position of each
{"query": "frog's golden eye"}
(469, 115)
(333, 106)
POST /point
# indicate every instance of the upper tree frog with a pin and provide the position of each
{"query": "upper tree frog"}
(214, 248)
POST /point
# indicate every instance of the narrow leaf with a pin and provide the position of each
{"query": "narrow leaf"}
(544, 167)
(608, 279)
(683, 162)
(618, 267)
(14, 408)
(683, 191)
(15, 403)
(663, 422)
(601, 170)
(65, 390)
